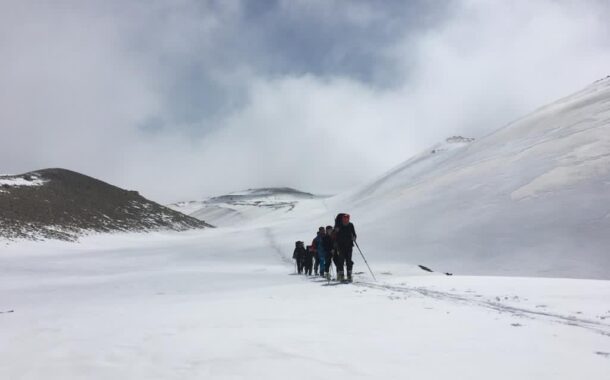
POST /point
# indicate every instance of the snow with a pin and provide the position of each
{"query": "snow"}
(521, 217)
(11, 181)
(224, 304)
(244, 207)
(530, 199)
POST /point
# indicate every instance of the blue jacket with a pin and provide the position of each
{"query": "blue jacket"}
(322, 242)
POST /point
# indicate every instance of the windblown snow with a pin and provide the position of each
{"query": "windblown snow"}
(520, 217)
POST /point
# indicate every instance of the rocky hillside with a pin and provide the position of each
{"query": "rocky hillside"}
(62, 204)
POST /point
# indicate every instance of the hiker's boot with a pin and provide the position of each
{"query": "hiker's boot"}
(327, 276)
(349, 276)
(340, 276)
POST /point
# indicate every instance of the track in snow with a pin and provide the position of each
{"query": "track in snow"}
(276, 248)
(599, 327)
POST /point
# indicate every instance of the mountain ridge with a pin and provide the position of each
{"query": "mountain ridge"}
(245, 206)
(62, 204)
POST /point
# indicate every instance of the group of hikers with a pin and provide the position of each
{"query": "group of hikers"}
(331, 245)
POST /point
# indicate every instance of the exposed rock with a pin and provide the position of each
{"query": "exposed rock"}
(62, 204)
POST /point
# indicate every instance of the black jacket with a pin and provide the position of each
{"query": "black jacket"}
(346, 235)
(299, 254)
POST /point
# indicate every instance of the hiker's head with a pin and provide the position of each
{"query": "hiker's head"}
(321, 230)
(345, 219)
(329, 230)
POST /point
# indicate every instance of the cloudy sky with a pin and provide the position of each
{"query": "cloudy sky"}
(183, 99)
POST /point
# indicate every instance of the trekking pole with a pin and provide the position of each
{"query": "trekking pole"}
(366, 262)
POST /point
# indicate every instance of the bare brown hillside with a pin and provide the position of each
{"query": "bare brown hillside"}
(62, 204)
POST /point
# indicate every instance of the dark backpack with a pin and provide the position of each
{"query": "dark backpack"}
(339, 221)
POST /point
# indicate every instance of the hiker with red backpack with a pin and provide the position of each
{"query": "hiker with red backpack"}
(345, 237)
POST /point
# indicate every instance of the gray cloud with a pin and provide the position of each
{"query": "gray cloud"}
(191, 98)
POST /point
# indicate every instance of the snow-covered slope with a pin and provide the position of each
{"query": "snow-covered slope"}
(244, 206)
(221, 304)
(532, 199)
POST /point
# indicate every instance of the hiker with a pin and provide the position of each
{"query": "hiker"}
(346, 235)
(316, 259)
(329, 247)
(321, 242)
(308, 260)
(337, 257)
(299, 256)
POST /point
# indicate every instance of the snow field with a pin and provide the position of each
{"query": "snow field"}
(528, 200)
(225, 304)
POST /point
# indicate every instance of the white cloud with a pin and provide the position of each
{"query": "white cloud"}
(81, 82)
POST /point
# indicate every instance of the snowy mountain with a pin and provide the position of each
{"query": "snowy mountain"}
(244, 206)
(528, 200)
(61, 204)
(532, 199)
